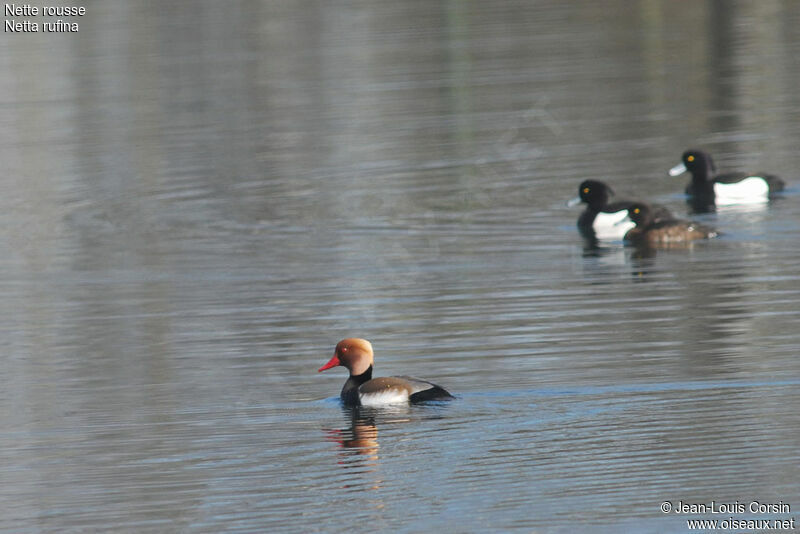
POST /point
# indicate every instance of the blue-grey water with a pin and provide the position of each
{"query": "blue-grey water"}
(201, 198)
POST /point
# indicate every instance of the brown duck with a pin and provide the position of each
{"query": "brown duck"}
(651, 232)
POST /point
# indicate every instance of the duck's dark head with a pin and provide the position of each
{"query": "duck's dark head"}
(593, 193)
(696, 162)
(641, 214)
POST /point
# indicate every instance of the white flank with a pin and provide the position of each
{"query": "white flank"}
(612, 225)
(751, 190)
(390, 396)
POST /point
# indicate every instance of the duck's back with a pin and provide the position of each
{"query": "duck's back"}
(674, 231)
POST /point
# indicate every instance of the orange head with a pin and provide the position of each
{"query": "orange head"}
(353, 353)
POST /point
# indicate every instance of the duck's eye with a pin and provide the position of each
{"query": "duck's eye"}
(690, 159)
(636, 211)
(585, 190)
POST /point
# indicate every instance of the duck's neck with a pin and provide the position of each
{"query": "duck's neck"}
(703, 179)
(350, 390)
(598, 204)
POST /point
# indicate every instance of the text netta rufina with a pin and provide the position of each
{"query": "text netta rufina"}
(361, 389)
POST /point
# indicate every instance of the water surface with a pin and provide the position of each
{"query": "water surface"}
(200, 200)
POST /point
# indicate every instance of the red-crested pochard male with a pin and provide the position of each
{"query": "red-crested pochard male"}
(361, 389)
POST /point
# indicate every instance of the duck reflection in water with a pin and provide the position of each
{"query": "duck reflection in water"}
(358, 446)
(358, 442)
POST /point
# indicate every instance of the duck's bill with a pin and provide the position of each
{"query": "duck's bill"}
(333, 362)
(574, 201)
(680, 168)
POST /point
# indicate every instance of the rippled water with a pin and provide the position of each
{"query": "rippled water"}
(200, 200)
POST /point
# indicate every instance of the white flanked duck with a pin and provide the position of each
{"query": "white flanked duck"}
(711, 187)
(361, 389)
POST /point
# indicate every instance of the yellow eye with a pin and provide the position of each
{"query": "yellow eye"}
(690, 159)
(585, 189)
(636, 210)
